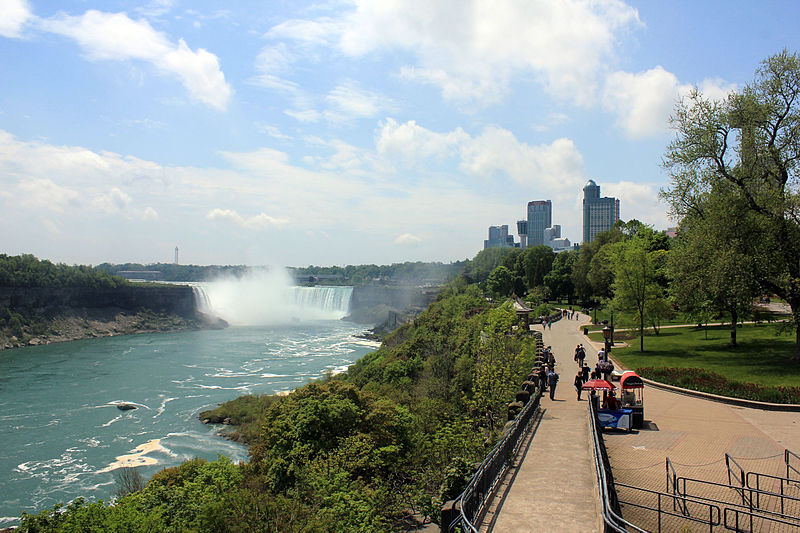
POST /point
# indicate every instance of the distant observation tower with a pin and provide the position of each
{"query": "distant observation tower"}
(176, 255)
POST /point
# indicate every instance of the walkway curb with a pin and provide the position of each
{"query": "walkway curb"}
(752, 404)
(740, 402)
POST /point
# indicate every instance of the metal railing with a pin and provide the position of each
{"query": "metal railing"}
(472, 502)
(678, 502)
(752, 520)
(787, 455)
(612, 515)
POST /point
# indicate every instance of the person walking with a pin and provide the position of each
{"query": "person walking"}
(542, 373)
(585, 370)
(552, 381)
(578, 383)
(580, 355)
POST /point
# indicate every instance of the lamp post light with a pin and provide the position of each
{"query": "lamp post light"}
(607, 339)
(612, 326)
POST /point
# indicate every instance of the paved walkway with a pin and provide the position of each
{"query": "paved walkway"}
(555, 488)
(695, 434)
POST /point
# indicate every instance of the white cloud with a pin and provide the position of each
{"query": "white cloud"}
(644, 101)
(639, 201)
(349, 100)
(304, 115)
(272, 131)
(716, 88)
(553, 168)
(407, 238)
(259, 222)
(112, 202)
(409, 144)
(116, 37)
(470, 49)
(352, 194)
(13, 16)
(44, 195)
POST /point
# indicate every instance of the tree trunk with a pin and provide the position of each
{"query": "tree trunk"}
(795, 305)
(734, 320)
(641, 332)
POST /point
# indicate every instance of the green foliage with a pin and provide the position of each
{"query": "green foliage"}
(500, 282)
(635, 280)
(559, 279)
(536, 262)
(397, 433)
(702, 380)
(745, 150)
(28, 271)
(245, 414)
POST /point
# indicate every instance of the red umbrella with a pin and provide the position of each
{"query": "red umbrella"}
(598, 384)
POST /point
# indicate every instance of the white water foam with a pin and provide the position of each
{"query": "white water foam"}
(266, 297)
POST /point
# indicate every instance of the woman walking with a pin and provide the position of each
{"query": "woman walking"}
(578, 383)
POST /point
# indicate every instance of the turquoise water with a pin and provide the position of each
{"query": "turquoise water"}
(62, 434)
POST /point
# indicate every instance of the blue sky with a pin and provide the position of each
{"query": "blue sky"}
(341, 132)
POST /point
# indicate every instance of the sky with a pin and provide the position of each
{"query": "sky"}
(345, 132)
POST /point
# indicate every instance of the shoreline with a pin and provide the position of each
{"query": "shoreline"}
(106, 323)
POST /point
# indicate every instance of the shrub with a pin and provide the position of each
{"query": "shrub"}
(705, 381)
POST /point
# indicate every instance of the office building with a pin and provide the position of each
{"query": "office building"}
(599, 214)
(540, 217)
(499, 237)
(522, 231)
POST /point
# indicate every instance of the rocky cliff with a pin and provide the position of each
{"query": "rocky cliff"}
(170, 299)
(31, 316)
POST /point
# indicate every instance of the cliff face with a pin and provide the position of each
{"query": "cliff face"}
(45, 315)
(402, 298)
(387, 307)
(169, 299)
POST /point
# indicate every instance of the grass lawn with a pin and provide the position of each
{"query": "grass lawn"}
(761, 356)
(628, 320)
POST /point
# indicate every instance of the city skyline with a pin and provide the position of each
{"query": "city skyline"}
(351, 132)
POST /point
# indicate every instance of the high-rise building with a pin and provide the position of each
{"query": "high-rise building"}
(522, 231)
(540, 217)
(599, 214)
(499, 237)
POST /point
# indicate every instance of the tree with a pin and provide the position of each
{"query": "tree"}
(536, 262)
(559, 279)
(500, 282)
(715, 263)
(748, 145)
(635, 280)
(581, 278)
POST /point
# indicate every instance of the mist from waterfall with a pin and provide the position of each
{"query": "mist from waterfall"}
(268, 297)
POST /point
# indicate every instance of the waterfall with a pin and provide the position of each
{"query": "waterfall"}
(266, 298)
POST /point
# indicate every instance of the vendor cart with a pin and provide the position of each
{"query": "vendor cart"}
(632, 396)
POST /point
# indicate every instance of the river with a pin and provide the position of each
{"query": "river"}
(63, 436)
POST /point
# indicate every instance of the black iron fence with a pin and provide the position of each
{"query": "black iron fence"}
(468, 509)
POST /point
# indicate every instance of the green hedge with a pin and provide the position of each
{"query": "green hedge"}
(705, 381)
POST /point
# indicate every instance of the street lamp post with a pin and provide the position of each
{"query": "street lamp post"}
(607, 339)
(612, 326)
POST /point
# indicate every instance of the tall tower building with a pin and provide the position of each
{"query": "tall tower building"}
(540, 217)
(599, 214)
(522, 231)
(176, 255)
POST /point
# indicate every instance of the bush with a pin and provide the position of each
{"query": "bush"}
(705, 381)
